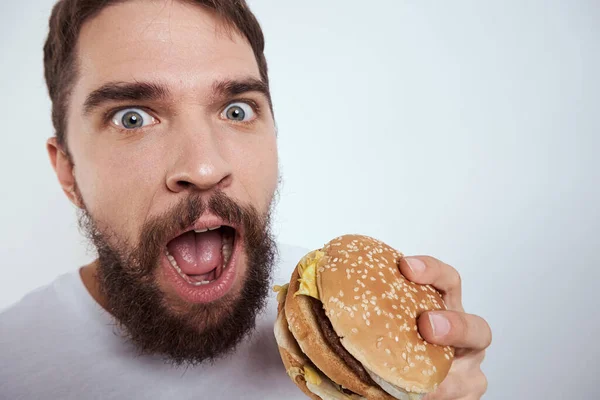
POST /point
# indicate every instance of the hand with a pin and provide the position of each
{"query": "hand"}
(469, 334)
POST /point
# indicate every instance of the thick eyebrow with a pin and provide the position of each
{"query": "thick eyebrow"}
(151, 91)
(124, 91)
(231, 88)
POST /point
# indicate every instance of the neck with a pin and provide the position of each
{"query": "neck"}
(89, 277)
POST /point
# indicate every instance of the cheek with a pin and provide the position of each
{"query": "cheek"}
(257, 169)
(117, 188)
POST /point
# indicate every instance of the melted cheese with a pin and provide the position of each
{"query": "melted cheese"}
(307, 269)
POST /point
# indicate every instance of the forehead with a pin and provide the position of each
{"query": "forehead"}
(182, 45)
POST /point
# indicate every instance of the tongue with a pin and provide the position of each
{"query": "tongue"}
(197, 253)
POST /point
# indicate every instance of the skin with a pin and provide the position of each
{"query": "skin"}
(125, 177)
(469, 334)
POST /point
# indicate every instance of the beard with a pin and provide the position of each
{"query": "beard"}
(158, 323)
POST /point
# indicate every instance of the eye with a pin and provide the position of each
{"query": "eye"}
(133, 118)
(241, 112)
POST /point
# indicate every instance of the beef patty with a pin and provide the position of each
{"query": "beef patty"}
(333, 340)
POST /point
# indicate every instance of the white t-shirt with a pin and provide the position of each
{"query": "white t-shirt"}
(58, 343)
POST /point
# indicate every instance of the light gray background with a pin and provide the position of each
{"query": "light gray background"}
(466, 130)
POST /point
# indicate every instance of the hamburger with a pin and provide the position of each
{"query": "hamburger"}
(347, 325)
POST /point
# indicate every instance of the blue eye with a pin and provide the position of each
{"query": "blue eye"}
(239, 111)
(132, 118)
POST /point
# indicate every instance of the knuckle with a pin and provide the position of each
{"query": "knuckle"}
(489, 334)
(480, 357)
(481, 383)
(455, 278)
(460, 325)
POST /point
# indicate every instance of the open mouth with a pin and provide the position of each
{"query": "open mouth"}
(201, 256)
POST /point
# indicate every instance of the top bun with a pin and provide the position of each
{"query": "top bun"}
(373, 308)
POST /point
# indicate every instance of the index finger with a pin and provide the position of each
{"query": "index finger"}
(427, 270)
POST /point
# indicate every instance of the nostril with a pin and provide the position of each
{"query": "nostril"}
(183, 184)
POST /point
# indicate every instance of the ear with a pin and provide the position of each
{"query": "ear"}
(63, 169)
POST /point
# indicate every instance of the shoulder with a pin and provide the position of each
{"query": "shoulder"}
(36, 315)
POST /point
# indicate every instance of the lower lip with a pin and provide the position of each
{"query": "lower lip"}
(208, 292)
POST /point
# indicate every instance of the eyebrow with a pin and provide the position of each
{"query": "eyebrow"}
(151, 91)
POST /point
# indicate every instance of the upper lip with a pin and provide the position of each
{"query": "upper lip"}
(204, 223)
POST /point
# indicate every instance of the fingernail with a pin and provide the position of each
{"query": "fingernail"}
(416, 266)
(440, 324)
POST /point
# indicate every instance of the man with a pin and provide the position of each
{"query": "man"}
(166, 142)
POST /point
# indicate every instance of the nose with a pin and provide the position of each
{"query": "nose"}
(199, 162)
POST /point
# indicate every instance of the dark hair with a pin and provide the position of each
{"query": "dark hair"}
(68, 16)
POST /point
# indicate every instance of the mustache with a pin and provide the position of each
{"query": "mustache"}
(158, 230)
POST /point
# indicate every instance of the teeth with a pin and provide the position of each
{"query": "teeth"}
(181, 273)
(212, 228)
(226, 250)
(174, 264)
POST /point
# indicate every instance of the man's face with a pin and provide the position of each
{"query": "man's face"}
(170, 132)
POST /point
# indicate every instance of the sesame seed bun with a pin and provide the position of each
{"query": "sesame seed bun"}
(373, 308)
(304, 326)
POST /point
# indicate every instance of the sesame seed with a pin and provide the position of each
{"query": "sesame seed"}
(378, 345)
(388, 351)
(356, 289)
(354, 330)
(341, 293)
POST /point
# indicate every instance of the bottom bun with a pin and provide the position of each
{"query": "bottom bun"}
(296, 364)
